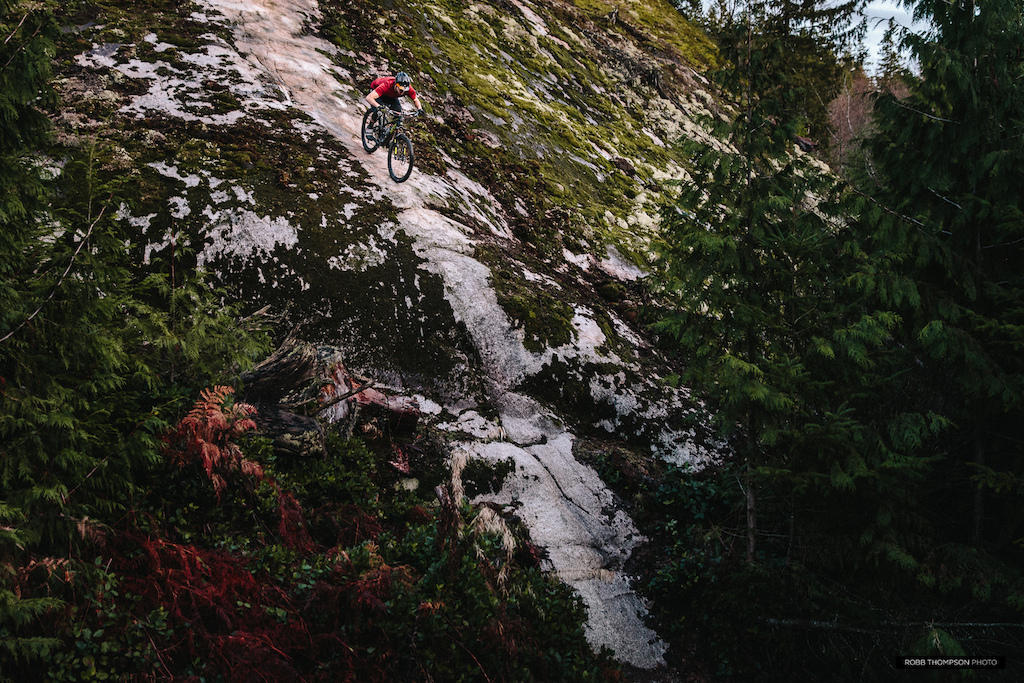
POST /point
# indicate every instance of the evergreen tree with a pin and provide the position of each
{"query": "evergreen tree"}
(891, 66)
(753, 262)
(23, 81)
(25, 56)
(950, 159)
(809, 37)
(776, 281)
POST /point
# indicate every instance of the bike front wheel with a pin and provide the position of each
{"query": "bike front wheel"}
(400, 158)
(371, 130)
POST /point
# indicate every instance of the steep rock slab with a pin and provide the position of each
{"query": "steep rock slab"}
(563, 502)
(420, 277)
(574, 517)
(600, 359)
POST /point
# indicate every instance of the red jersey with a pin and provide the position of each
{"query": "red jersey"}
(385, 87)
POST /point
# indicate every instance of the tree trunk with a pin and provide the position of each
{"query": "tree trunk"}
(751, 496)
(979, 500)
(751, 518)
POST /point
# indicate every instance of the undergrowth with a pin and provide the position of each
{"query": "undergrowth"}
(238, 566)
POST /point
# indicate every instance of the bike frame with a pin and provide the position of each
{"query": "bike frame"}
(392, 122)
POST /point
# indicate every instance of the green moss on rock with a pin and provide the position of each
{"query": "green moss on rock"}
(481, 477)
(561, 96)
(545, 318)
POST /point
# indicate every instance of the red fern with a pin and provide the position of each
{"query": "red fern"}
(401, 460)
(292, 526)
(372, 588)
(225, 609)
(205, 437)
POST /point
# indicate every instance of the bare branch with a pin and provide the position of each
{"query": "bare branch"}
(16, 29)
(67, 270)
(347, 394)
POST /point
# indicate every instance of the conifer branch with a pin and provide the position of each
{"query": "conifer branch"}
(67, 496)
(1005, 244)
(923, 113)
(945, 199)
(22, 47)
(887, 209)
(887, 625)
(67, 270)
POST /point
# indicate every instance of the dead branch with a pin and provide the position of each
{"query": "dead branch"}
(347, 394)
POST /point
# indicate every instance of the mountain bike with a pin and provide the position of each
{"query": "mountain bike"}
(385, 125)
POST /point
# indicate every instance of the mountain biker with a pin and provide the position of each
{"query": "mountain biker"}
(387, 90)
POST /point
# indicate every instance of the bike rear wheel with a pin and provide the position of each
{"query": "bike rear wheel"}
(371, 130)
(400, 158)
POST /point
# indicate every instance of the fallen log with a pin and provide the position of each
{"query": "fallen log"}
(348, 395)
(290, 367)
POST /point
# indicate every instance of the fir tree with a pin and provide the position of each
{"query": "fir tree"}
(950, 160)
(25, 58)
(809, 38)
(750, 256)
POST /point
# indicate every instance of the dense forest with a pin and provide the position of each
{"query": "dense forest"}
(856, 327)
(860, 338)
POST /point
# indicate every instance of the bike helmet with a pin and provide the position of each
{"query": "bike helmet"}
(402, 78)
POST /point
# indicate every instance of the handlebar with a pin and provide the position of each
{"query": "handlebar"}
(405, 114)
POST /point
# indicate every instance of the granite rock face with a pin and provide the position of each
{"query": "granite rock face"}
(497, 288)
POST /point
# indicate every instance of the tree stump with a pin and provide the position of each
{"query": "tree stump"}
(300, 387)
